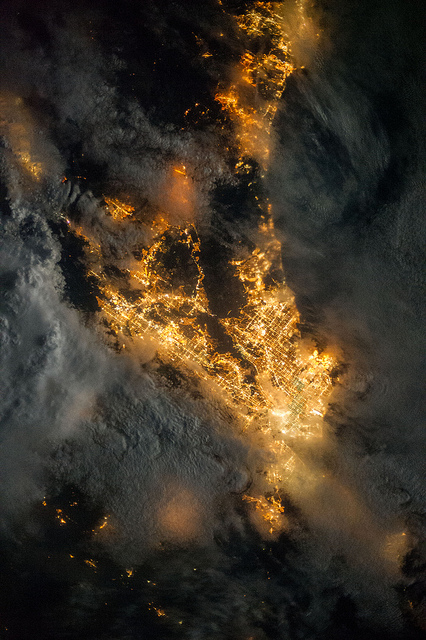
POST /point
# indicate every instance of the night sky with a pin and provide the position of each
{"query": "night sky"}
(125, 477)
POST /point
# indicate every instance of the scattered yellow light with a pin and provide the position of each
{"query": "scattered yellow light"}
(271, 510)
(160, 612)
(103, 525)
(117, 209)
(91, 563)
(260, 77)
(34, 168)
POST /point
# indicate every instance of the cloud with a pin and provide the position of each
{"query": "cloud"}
(351, 255)
(51, 373)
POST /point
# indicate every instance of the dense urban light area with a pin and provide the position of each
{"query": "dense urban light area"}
(276, 387)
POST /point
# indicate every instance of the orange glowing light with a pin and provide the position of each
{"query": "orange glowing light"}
(277, 388)
(91, 563)
(118, 210)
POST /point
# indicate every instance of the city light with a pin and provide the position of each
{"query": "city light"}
(275, 386)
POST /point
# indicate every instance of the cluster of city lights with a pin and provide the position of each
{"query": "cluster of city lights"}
(259, 78)
(277, 387)
(274, 386)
